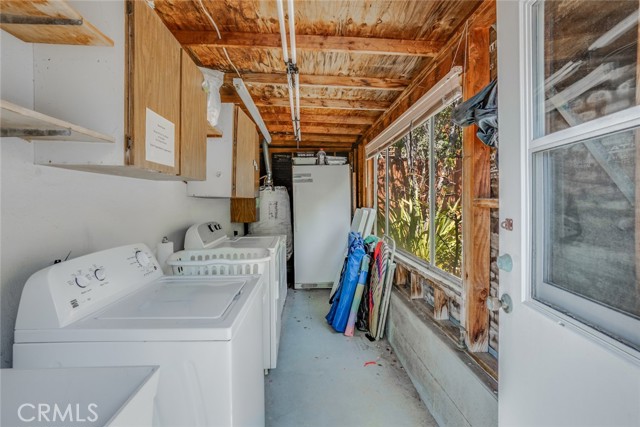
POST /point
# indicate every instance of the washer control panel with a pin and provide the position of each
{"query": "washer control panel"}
(85, 284)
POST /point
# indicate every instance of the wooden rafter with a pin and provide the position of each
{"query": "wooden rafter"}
(342, 82)
(292, 148)
(312, 42)
(337, 104)
(319, 118)
(329, 130)
(308, 137)
(483, 16)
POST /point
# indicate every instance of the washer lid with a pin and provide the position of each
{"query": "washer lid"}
(172, 308)
(177, 299)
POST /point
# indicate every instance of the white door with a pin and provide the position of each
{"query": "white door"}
(569, 171)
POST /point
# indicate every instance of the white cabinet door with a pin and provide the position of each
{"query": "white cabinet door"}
(219, 161)
(554, 369)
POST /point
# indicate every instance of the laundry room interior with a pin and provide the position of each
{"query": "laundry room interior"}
(319, 213)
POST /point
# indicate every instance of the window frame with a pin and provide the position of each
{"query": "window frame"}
(427, 267)
(618, 122)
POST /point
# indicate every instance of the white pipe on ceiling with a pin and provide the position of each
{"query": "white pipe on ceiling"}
(292, 31)
(292, 39)
(291, 82)
(283, 33)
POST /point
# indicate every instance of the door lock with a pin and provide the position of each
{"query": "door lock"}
(495, 304)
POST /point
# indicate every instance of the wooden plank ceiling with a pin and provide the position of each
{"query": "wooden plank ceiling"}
(355, 57)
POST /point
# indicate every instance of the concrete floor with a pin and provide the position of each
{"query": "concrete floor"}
(321, 378)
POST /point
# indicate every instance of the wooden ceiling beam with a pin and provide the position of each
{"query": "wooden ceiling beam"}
(308, 137)
(329, 130)
(314, 148)
(367, 45)
(342, 82)
(320, 118)
(483, 16)
(337, 104)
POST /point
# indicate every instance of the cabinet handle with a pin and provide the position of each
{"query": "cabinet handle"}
(255, 165)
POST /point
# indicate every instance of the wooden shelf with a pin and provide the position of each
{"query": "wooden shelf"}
(213, 131)
(34, 126)
(54, 22)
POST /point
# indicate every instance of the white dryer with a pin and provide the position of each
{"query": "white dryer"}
(115, 308)
(211, 236)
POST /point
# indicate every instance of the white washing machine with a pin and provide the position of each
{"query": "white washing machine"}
(115, 308)
(210, 235)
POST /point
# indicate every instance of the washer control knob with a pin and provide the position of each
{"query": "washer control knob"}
(100, 274)
(142, 258)
(82, 281)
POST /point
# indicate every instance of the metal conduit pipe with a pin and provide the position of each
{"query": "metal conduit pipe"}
(267, 163)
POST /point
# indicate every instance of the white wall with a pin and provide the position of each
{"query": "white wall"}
(47, 212)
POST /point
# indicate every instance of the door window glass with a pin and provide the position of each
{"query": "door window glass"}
(586, 56)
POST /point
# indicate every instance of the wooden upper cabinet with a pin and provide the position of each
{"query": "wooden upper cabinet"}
(153, 64)
(166, 105)
(246, 149)
(194, 125)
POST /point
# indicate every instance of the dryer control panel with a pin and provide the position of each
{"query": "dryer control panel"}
(204, 236)
(64, 292)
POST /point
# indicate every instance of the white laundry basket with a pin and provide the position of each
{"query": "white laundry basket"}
(219, 262)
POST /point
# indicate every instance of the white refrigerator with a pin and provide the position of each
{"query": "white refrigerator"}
(321, 221)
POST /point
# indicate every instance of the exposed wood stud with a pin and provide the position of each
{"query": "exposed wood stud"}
(320, 43)
(440, 304)
(416, 286)
(369, 197)
(401, 276)
(477, 220)
(360, 176)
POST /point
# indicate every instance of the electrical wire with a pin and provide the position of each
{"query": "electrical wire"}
(464, 35)
(224, 49)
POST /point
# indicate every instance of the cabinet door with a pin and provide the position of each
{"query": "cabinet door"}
(193, 123)
(153, 90)
(246, 151)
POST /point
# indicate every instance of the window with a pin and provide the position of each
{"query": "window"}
(381, 193)
(420, 193)
(585, 212)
